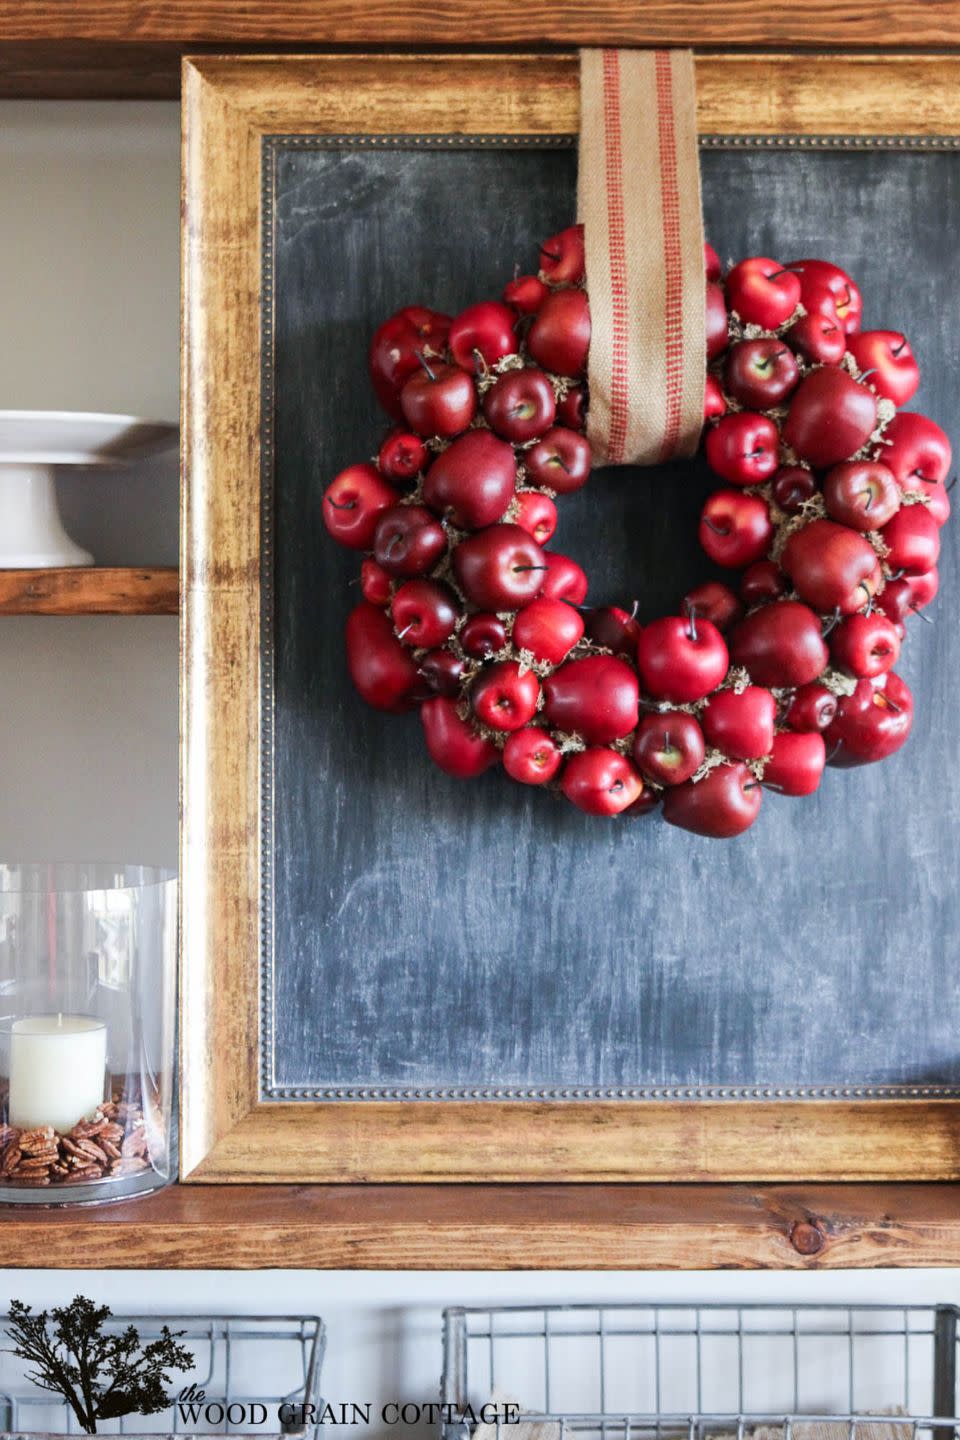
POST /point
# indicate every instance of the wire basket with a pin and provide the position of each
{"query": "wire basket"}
(233, 1354)
(675, 1372)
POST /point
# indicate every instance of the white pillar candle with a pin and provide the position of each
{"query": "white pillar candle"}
(57, 1065)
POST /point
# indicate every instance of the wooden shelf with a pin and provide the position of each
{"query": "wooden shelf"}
(125, 49)
(99, 590)
(496, 1227)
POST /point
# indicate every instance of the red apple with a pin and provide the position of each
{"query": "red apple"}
(918, 452)
(525, 294)
(561, 257)
(537, 514)
(796, 762)
(818, 338)
(717, 321)
(923, 588)
(714, 405)
(520, 406)
(792, 488)
(505, 696)
(424, 613)
(831, 417)
(862, 494)
(383, 672)
(559, 337)
(560, 461)
(564, 579)
(812, 707)
(669, 747)
(723, 804)
(438, 399)
(375, 583)
(743, 449)
(500, 568)
(762, 292)
(760, 373)
(681, 658)
(711, 262)
(353, 504)
(780, 645)
(483, 635)
(740, 723)
(735, 529)
(872, 723)
(761, 582)
(481, 335)
(443, 672)
(572, 408)
(887, 354)
(865, 645)
(531, 756)
(618, 630)
(601, 782)
(912, 539)
(402, 456)
(896, 599)
(827, 290)
(393, 351)
(409, 540)
(472, 481)
(715, 602)
(831, 566)
(452, 743)
(549, 629)
(597, 698)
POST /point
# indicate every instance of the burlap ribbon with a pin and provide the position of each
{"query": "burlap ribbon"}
(639, 200)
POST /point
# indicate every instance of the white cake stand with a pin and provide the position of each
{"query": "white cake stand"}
(34, 444)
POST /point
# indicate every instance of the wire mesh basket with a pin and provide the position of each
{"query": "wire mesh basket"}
(256, 1375)
(675, 1372)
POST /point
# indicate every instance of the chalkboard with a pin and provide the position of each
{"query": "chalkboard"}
(429, 938)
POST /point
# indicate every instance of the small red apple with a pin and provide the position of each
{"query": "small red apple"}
(402, 456)
(669, 747)
(744, 448)
(760, 373)
(561, 257)
(831, 417)
(531, 756)
(715, 602)
(827, 290)
(714, 404)
(537, 514)
(865, 645)
(887, 354)
(564, 579)
(717, 321)
(918, 452)
(740, 723)
(780, 645)
(500, 568)
(601, 782)
(832, 566)
(722, 805)
(394, 351)
(796, 762)
(424, 613)
(818, 338)
(912, 539)
(443, 672)
(617, 629)
(505, 696)
(711, 262)
(525, 294)
(375, 583)
(438, 399)
(472, 481)
(520, 406)
(481, 335)
(681, 658)
(559, 337)
(812, 707)
(792, 488)
(452, 743)
(560, 461)
(482, 636)
(353, 504)
(409, 540)
(872, 723)
(762, 582)
(735, 529)
(549, 629)
(383, 672)
(862, 494)
(596, 697)
(762, 292)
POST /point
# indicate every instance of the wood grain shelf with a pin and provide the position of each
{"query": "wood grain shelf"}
(497, 1227)
(127, 49)
(94, 590)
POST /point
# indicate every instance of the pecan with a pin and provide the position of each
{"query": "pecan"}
(130, 1165)
(32, 1141)
(109, 1149)
(112, 1132)
(35, 1178)
(93, 1151)
(134, 1144)
(10, 1158)
(92, 1173)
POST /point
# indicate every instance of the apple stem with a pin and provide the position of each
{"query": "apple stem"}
(717, 530)
(834, 752)
(406, 628)
(559, 460)
(951, 485)
(479, 364)
(927, 619)
(772, 785)
(517, 568)
(900, 348)
(868, 492)
(551, 254)
(897, 575)
(833, 623)
(635, 607)
(516, 270)
(776, 274)
(345, 505)
(420, 356)
(865, 375)
(884, 699)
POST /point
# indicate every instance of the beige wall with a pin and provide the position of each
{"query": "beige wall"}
(89, 286)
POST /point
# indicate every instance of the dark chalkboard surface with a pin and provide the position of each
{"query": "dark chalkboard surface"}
(431, 937)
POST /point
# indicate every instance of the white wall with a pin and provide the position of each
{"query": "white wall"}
(88, 719)
(89, 293)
